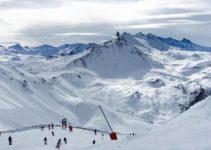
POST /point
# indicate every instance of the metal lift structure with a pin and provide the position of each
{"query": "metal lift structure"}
(113, 135)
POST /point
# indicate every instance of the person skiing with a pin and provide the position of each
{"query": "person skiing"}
(42, 128)
(102, 135)
(65, 140)
(70, 128)
(0, 133)
(49, 126)
(45, 141)
(58, 144)
(10, 140)
(64, 123)
(93, 142)
(95, 131)
(52, 133)
(52, 126)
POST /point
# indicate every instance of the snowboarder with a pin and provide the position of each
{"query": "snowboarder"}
(10, 140)
(52, 126)
(58, 144)
(52, 133)
(45, 141)
(95, 131)
(65, 140)
(93, 142)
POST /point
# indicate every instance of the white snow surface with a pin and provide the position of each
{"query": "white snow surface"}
(162, 96)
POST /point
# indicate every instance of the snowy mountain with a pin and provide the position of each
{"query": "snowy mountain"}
(164, 44)
(72, 49)
(48, 50)
(147, 41)
(146, 84)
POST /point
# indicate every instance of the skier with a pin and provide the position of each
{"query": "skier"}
(95, 131)
(102, 135)
(58, 144)
(45, 141)
(49, 126)
(52, 133)
(10, 140)
(70, 128)
(65, 140)
(0, 133)
(64, 123)
(93, 142)
(42, 128)
(52, 126)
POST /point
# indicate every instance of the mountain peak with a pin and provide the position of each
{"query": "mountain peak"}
(140, 34)
(46, 46)
(150, 35)
(16, 47)
(186, 40)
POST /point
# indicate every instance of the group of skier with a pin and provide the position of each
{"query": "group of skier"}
(51, 126)
(59, 142)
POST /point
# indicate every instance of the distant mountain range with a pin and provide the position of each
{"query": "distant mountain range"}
(139, 39)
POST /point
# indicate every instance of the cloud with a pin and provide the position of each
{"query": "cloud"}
(76, 34)
(29, 21)
(14, 4)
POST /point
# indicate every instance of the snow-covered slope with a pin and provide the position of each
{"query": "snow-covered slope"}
(137, 84)
(190, 130)
(117, 59)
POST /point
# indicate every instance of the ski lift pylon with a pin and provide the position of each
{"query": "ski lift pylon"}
(113, 135)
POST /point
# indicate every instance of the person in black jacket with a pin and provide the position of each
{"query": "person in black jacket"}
(10, 140)
(65, 140)
(52, 133)
(45, 141)
(58, 144)
(93, 142)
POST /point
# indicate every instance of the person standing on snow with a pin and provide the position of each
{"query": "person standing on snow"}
(58, 144)
(65, 140)
(93, 142)
(45, 141)
(42, 128)
(70, 128)
(95, 131)
(49, 126)
(52, 133)
(52, 126)
(64, 123)
(10, 140)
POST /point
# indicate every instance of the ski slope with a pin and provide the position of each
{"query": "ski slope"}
(145, 85)
(78, 139)
(190, 130)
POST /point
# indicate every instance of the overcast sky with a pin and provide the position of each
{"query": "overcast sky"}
(35, 22)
